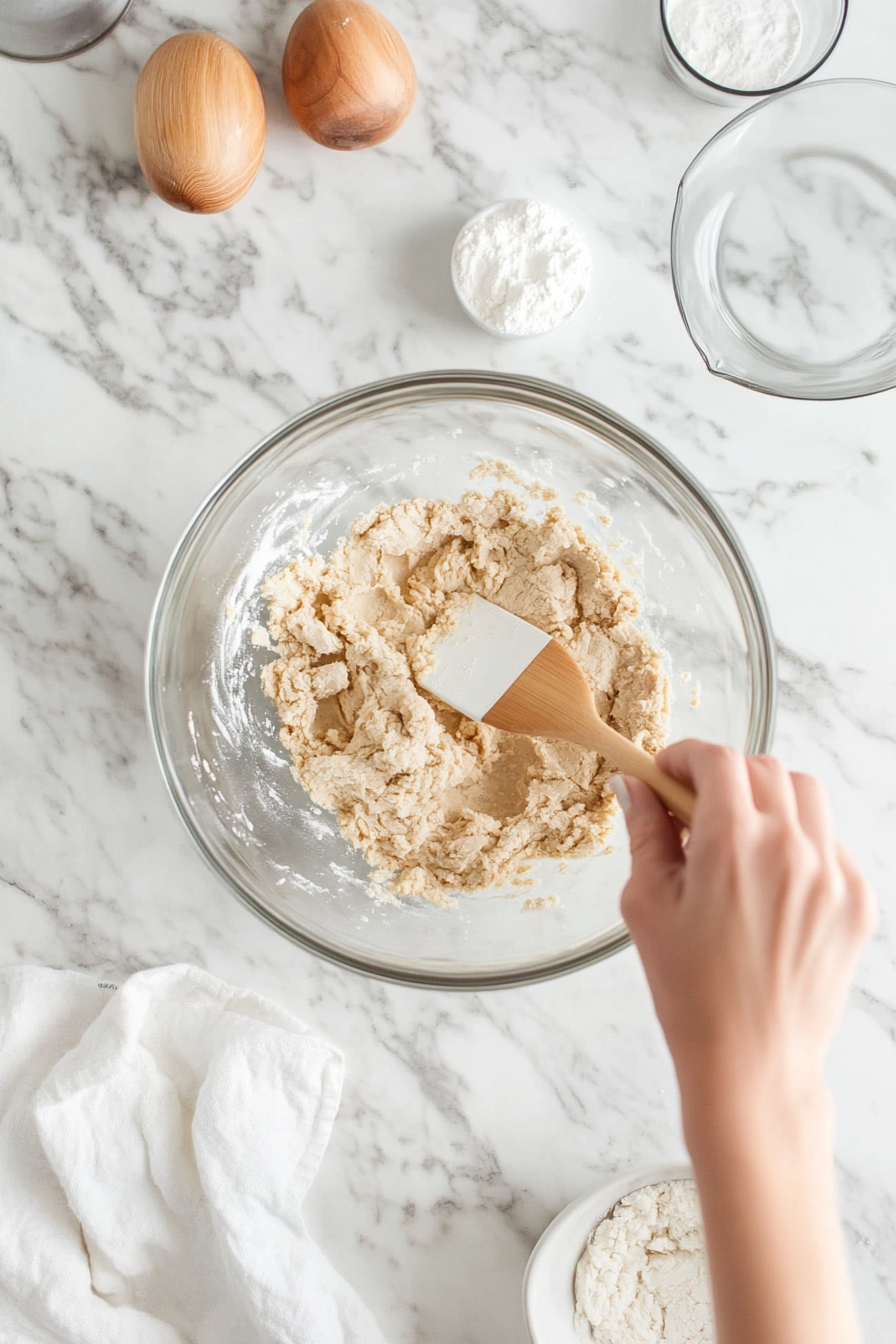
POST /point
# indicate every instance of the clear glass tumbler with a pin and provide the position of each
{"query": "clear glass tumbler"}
(821, 25)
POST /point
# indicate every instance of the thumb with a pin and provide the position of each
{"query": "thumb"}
(653, 836)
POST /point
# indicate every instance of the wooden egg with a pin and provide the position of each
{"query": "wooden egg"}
(348, 78)
(199, 123)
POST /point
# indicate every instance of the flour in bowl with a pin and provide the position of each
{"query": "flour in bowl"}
(521, 267)
(740, 44)
(643, 1276)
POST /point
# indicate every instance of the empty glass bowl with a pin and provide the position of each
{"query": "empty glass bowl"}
(216, 734)
(784, 243)
(820, 25)
(52, 30)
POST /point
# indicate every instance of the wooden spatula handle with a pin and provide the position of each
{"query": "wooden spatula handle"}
(634, 760)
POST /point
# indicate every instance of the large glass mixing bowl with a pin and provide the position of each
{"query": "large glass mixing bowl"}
(298, 492)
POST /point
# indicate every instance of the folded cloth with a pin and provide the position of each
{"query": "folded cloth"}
(156, 1142)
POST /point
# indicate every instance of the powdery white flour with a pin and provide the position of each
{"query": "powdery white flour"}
(741, 44)
(522, 268)
(643, 1277)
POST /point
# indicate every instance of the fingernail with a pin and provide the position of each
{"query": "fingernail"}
(619, 787)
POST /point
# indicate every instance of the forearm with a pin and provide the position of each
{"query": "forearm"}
(765, 1174)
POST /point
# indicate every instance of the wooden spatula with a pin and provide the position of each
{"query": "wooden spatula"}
(501, 670)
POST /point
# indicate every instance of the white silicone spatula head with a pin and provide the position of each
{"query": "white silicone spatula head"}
(500, 670)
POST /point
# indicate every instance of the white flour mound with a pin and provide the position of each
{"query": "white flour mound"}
(740, 44)
(643, 1277)
(523, 268)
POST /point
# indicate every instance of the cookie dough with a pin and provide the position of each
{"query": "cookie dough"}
(440, 804)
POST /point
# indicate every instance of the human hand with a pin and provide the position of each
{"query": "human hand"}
(749, 934)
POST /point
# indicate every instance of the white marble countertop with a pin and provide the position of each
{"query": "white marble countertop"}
(144, 351)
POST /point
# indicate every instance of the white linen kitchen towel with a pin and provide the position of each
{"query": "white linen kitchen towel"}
(156, 1142)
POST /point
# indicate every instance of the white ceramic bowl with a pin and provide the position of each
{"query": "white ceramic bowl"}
(462, 299)
(548, 1284)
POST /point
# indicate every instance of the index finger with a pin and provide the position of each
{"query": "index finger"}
(717, 774)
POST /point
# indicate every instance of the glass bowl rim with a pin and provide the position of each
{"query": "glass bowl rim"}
(87, 45)
(753, 93)
(853, 82)
(532, 394)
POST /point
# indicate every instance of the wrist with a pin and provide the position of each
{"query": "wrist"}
(762, 1157)
(738, 1111)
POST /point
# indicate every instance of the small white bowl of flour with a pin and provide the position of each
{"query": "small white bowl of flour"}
(728, 50)
(520, 268)
(623, 1265)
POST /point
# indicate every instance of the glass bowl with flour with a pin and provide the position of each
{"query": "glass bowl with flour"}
(432, 437)
(727, 50)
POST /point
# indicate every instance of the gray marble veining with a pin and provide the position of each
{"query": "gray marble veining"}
(143, 351)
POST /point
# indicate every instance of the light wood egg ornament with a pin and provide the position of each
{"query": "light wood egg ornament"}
(348, 78)
(199, 123)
